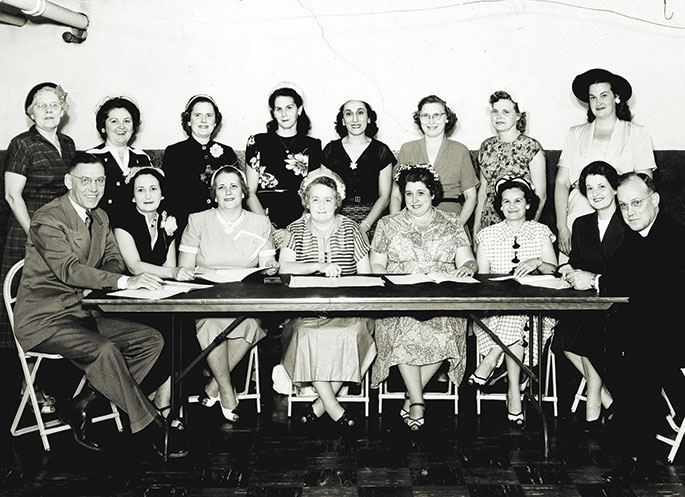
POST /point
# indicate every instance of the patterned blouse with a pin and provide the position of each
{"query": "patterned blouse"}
(505, 248)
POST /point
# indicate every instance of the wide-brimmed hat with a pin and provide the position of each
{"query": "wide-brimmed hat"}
(619, 85)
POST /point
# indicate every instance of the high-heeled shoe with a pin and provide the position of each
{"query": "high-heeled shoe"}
(207, 400)
(416, 424)
(515, 419)
(345, 421)
(475, 380)
(309, 415)
(228, 413)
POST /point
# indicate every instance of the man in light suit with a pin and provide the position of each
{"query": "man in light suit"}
(71, 249)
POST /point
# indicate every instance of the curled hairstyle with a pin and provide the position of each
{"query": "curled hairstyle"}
(230, 170)
(434, 99)
(622, 109)
(186, 114)
(649, 182)
(303, 122)
(47, 86)
(81, 157)
(117, 103)
(325, 181)
(599, 168)
(531, 198)
(423, 175)
(503, 95)
(371, 129)
(152, 171)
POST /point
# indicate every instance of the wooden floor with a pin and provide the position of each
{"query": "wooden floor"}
(266, 455)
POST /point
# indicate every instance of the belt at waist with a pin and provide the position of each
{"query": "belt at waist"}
(457, 200)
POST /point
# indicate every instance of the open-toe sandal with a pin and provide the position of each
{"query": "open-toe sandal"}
(515, 419)
(404, 414)
(175, 422)
(309, 415)
(416, 424)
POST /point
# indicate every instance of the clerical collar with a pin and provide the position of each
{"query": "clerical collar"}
(645, 232)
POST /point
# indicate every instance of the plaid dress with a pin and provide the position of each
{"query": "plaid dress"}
(498, 241)
(32, 156)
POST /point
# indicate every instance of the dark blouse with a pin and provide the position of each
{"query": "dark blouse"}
(360, 177)
(135, 224)
(117, 192)
(281, 164)
(188, 166)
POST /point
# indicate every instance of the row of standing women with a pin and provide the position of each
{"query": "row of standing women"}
(278, 160)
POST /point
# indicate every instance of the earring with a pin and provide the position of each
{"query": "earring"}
(618, 100)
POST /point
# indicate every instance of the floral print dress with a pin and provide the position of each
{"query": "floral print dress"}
(405, 339)
(282, 163)
(499, 159)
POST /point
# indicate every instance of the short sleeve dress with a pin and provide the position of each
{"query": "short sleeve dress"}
(498, 242)
(188, 167)
(117, 193)
(499, 159)
(328, 349)
(405, 339)
(282, 163)
(34, 157)
(453, 165)
(360, 176)
(218, 244)
(629, 149)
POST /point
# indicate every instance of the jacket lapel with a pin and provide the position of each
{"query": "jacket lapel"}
(79, 232)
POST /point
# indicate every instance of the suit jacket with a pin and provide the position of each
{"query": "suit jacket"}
(588, 252)
(62, 260)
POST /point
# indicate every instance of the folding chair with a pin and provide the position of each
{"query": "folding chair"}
(678, 429)
(30, 362)
(451, 393)
(252, 373)
(361, 397)
(550, 390)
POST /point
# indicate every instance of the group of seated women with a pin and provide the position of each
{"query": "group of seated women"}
(323, 211)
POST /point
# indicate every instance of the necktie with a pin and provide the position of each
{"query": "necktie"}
(88, 220)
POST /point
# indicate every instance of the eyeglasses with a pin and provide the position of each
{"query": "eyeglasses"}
(516, 259)
(635, 203)
(87, 181)
(424, 116)
(43, 106)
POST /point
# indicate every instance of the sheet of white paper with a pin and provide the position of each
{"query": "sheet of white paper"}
(170, 288)
(226, 275)
(440, 277)
(413, 279)
(343, 281)
(541, 281)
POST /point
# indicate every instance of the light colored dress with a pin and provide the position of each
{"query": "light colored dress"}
(499, 159)
(498, 241)
(218, 244)
(629, 149)
(405, 339)
(328, 349)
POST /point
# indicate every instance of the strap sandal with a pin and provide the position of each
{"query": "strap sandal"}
(229, 414)
(175, 422)
(515, 419)
(475, 380)
(207, 400)
(416, 424)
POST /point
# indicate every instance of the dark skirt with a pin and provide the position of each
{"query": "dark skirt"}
(582, 333)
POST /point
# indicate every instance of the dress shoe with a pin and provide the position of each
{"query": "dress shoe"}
(75, 414)
(177, 442)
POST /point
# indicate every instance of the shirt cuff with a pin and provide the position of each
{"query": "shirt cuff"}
(122, 283)
(186, 248)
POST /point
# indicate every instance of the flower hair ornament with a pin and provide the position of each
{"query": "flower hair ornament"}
(228, 169)
(319, 173)
(515, 179)
(136, 169)
(409, 167)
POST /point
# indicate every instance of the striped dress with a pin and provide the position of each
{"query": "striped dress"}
(328, 349)
(31, 155)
